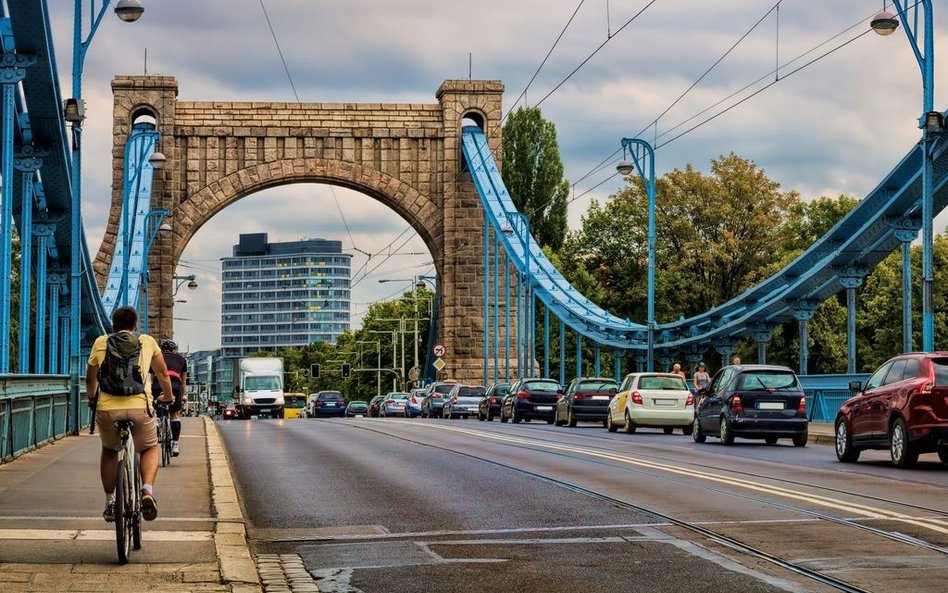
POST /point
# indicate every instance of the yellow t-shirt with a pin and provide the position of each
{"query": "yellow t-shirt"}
(107, 401)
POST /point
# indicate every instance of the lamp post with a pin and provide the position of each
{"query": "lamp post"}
(417, 282)
(643, 161)
(931, 123)
(74, 113)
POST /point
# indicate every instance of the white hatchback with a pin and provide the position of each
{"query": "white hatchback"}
(659, 400)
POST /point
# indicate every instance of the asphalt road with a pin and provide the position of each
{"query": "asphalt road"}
(392, 505)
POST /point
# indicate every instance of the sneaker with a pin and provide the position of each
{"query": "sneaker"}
(174, 449)
(109, 513)
(149, 507)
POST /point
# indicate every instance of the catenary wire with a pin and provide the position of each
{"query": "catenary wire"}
(279, 50)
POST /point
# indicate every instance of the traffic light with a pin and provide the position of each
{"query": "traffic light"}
(346, 370)
(314, 371)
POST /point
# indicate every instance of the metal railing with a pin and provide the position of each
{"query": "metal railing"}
(33, 412)
(826, 393)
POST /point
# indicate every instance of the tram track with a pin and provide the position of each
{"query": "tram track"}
(711, 535)
(863, 495)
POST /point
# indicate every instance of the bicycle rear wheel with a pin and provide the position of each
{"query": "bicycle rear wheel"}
(123, 511)
(164, 436)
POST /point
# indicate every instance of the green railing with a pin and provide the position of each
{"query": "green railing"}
(33, 411)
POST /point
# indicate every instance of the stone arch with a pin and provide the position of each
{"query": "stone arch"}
(405, 200)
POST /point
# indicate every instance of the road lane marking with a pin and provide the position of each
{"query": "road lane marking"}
(869, 512)
(101, 535)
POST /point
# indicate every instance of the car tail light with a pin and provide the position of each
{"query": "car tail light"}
(636, 397)
(413, 400)
(523, 394)
(493, 400)
(801, 407)
(580, 395)
(454, 400)
(320, 404)
(691, 400)
(390, 401)
(737, 406)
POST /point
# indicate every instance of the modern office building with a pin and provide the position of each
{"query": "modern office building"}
(210, 377)
(283, 294)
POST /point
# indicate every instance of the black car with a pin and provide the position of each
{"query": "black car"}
(489, 407)
(433, 404)
(586, 398)
(375, 406)
(752, 402)
(356, 409)
(529, 399)
(328, 404)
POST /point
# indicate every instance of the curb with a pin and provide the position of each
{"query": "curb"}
(821, 439)
(238, 569)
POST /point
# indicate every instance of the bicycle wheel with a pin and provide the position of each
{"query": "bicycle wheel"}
(165, 439)
(137, 508)
(123, 511)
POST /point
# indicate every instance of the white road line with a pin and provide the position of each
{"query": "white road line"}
(101, 535)
(98, 518)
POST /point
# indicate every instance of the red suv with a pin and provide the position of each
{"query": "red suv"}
(903, 407)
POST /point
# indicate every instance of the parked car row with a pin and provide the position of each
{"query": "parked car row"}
(903, 406)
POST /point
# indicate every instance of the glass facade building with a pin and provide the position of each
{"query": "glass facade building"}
(283, 294)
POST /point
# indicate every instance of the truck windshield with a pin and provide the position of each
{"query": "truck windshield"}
(261, 383)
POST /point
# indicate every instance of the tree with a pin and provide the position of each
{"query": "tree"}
(533, 174)
(717, 233)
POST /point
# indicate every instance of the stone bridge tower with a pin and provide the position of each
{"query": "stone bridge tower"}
(407, 156)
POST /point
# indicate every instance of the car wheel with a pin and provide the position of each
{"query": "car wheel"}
(800, 440)
(689, 429)
(515, 417)
(668, 429)
(609, 425)
(503, 419)
(480, 417)
(771, 440)
(571, 419)
(697, 434)
(943, 455)
(549, 421)
(629, 426)
(605, 424)
(490, 417)
(727, 437)
(903, 455)
(844, 443)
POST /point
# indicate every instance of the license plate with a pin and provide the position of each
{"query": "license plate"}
(544, 408)
(665, 402)
(600, 397)
(360, 415)
(264, 410)
(769, 405)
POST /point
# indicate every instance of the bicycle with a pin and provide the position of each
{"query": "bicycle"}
(164, 433)
(128, 496)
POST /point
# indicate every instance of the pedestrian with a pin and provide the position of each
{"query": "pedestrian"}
(736, 361)
(701, 377)
(676, 370)
(117, 375)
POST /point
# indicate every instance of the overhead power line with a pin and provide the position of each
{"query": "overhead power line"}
(279, 50)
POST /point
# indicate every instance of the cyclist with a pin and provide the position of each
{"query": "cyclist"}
(178, 371)
(113, 361)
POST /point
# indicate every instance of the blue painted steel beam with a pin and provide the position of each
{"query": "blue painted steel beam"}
(486, 298)
(579, 354)
(42, 232)
(546, 341)
(26, 271)
(562, 352)
(53, 346)
(596, 364)
(496, 305)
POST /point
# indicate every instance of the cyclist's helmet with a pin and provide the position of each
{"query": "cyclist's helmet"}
(168, 346)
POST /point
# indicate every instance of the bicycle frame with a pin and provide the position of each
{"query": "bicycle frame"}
(128, 487)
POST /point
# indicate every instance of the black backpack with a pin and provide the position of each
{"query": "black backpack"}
(120, 373)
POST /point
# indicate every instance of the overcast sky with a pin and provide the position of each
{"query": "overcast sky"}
(836, 126)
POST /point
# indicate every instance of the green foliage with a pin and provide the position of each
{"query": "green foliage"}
(533, 174)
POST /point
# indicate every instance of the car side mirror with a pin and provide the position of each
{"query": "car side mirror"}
(855, 386)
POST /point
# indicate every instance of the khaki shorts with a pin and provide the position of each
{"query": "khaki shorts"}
(144, 432)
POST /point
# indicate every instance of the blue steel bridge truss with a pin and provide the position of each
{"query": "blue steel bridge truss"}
(34, 143)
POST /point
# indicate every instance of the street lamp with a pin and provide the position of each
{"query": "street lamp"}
(190, 279)
(418, 282)
(931, 123)
(643, 161)
(126, 10)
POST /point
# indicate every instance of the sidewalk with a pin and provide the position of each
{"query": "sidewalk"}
(822, 433)
(53, 538)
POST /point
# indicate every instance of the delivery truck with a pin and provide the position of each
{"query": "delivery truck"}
(258, 387)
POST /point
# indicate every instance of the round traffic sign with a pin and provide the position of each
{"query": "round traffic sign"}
(439, 350)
